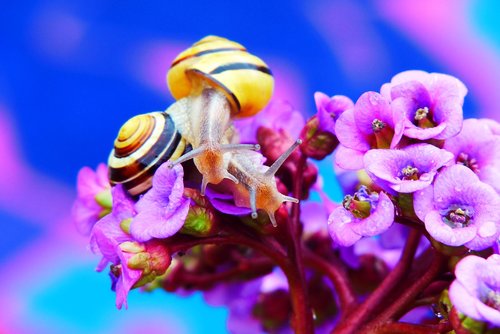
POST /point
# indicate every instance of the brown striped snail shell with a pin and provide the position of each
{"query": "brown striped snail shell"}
(143, 143)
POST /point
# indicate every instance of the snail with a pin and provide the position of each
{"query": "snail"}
(214, 81)
(143, 143)
(257, 187)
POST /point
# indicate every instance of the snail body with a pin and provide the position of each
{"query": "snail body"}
(257, 185)
(214, 81)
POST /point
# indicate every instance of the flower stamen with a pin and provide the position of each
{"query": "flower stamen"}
(410, 173)
(377, 125)
(492, 299)
(458, 217)
(422, 118)
(360, 205)
(464, 159)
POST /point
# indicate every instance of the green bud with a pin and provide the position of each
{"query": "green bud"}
(140, 261)
(200, 220)
(125, 225)
(131, 247)
(105, 199)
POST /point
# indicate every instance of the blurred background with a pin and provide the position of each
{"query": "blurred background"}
(72, 72)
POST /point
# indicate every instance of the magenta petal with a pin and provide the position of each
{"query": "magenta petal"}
(463, 301)
(126, 281)
(466, 272)
(340, 224)
(445, 86)
(106, 234)
(423, 202)
(370, 106)
(106, 241)
(449, 113)
(451, 180)
(444, 233)
(161, 212)
(413, 131)
(412, 90)
(487, 313)
(487, 233)
(379, 220)
(348, 159)
(123, 205)
(412, 75)
(348, 133)
(225, 203)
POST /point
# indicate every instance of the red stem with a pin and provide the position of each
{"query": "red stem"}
(357, 318)
(202, 281)
(410, 293)
(302, 321)
(337, 276)
(403, 328)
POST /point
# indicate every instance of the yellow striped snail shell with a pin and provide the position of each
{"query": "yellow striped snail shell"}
(244, 79)
(214, 81)
(143, 143)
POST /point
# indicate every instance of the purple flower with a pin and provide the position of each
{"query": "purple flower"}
(459, 209)
(407, 170)
(107, 236)
(478, 148)
(370, 124)
(224, 203)
(430, 102)
(492, 124)
(363, 215)
(476, 289)
(93, 199)
(161, 212)
(132, 264)
(278, 115)
(110, 230)
(330, 109)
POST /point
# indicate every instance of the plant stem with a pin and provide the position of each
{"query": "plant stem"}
(357, 318)
(302, 321)
(249, 269)
(403, 328)
(337, 276)
(424, 278)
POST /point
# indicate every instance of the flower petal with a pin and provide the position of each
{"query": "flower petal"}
(445, 234)
(161, 212)
(340, 224)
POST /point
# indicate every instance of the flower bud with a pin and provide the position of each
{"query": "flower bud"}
(151, 258)
(274, 143)
(317, 143)
(200, 220)
(105, 201)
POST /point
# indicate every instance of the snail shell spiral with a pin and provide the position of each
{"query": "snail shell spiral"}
(143, 143)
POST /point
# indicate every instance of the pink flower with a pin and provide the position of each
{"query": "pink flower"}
(430, 102)
(476, 289)
(93, 198)
(365, 214)
(459, 209)
(161, 212)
